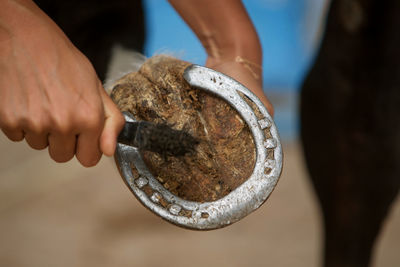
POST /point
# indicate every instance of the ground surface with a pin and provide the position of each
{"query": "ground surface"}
(65, 215)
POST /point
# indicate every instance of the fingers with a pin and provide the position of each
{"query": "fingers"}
(62, 147)
(114, 122)
(14, 135)
(86, 132)
(17, 130)
(88, 148)
(36, 140)
(82, 136)
(10, 127)
(90, 127)
(266, 103)
(103, 137)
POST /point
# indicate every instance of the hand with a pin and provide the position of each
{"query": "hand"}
(245, 72)
(227, 34)
(49, 92)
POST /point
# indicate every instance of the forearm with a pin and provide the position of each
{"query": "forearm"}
(223, 27)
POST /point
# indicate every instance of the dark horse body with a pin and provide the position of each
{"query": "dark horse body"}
(350, 117)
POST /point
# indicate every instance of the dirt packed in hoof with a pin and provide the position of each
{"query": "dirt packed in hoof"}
(225, 155)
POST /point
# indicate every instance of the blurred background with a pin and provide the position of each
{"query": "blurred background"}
(289, 30)
(65, 215)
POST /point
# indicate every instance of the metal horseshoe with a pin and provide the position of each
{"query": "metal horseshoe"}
(240, 202)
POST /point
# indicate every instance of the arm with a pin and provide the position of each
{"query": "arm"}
(230, 39)
(49, 92)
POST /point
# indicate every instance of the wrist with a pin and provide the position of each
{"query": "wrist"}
(229, 43)
(239, 47)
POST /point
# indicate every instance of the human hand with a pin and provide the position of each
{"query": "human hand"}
(229, 38)
(49, 92)
(247, 73)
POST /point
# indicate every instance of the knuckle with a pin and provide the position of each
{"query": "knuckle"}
(90, 113)
(8, 122)
(11, 127)
(36, 125)
(23, 120)
(64, 129)
(62, 126)
(93, 121)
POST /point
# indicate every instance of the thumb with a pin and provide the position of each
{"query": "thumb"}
(114, 122)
